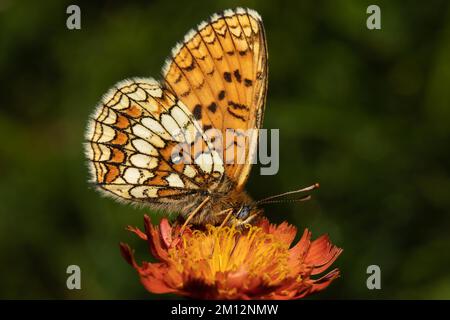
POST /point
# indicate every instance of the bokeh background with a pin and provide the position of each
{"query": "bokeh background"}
(365, 113)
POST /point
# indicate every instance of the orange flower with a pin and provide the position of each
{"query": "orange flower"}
(225, 263)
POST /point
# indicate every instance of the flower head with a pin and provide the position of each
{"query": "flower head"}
(257, 262)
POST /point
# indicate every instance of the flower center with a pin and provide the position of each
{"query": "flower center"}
(227, 250)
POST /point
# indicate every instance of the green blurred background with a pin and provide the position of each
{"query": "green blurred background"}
(365, 113)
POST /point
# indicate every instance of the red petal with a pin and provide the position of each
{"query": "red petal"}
(301, 248)
(285, 232)
(322, 254)
(154, 240)
(325, 281)
(264, 225)
(137, 231)
(127, 253)
(166, 232)
(153, 278)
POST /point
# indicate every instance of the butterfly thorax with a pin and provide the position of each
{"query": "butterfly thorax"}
(228, 201)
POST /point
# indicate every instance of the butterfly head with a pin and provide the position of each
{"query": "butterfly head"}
(247, 214)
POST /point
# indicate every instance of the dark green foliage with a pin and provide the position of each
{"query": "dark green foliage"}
(365, 113)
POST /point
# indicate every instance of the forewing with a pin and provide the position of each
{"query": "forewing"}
(220, 73)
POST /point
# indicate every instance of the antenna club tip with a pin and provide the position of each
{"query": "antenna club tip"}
(316, 185)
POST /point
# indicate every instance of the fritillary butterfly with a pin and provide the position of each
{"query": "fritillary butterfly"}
(216, 79)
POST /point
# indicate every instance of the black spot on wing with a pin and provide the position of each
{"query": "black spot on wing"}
(234, 114)
(186, 93)
(191, 66)
(237, 75)
(227, 76)
(239, 106)
(197, 112)
(212, 107)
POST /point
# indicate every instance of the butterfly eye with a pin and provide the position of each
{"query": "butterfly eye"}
(243, 212)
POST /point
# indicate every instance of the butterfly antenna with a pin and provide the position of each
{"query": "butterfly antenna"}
(305, 198)
(270, 199)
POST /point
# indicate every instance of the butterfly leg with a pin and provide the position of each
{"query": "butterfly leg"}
(193, 213)
(230, 211)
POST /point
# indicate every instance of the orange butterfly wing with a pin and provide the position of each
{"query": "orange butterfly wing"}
(131, 138)
(220, 73)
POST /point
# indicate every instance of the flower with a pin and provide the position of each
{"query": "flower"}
(225, 263)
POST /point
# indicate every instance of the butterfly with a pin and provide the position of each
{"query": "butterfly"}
(214, 81)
